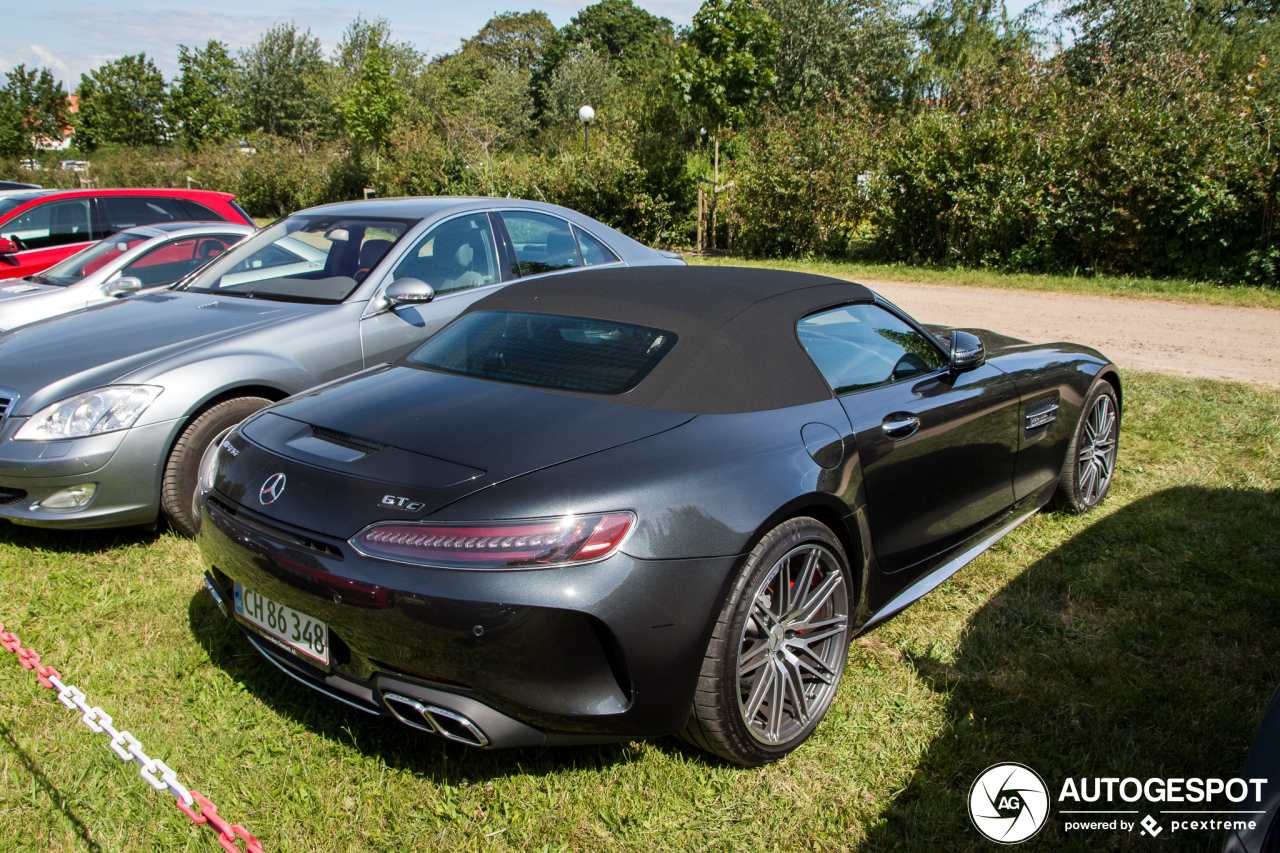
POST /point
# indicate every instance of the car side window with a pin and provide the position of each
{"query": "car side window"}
(57, 223)
(543, 243)
(593, 251)
(455, 255)
(857, 347)
(170, 262)
(123, 212)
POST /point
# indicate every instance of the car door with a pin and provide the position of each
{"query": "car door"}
(937, 449)
(459, 258)
(49, 232)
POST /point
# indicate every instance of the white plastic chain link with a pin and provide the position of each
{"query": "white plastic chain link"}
(123, 744)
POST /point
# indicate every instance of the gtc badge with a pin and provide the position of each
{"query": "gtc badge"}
(272, 489)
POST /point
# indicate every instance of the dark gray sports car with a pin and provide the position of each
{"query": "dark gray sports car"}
(637, 502)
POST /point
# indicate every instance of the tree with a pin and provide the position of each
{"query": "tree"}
(957, 35)
(121, 102)
(38, 108)
(839, 49)
(632, 39)
(1124, 31)
(200, 98)
(513, 40)
(362, 38)
(726, 65)
(584, 77)
(370, 108)
(281, 87)
(14, 141)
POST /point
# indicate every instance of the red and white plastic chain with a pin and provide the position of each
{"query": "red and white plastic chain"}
(127, 747)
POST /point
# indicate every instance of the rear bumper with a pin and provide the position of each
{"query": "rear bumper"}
(579, 654)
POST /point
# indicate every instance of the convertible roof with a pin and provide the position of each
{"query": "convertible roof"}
(736, 349)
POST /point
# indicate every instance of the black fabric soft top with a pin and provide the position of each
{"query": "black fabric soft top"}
(737, 349)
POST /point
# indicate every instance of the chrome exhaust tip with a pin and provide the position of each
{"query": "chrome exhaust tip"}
(431, 718)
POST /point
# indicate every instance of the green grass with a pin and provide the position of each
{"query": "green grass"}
(1140, 640)
(1135, 288)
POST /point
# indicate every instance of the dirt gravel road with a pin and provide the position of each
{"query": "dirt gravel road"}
(1211, 341)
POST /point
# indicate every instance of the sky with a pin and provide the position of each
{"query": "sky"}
(71, 38)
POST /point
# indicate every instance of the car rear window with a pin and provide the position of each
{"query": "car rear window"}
(568, 353)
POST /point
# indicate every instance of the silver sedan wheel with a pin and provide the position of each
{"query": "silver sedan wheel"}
(793, 644)
(1097, 452)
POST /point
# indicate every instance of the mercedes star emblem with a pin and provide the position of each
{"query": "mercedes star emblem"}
(272, 489)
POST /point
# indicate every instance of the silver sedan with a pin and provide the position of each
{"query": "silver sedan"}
(143, 257)
(106, 413)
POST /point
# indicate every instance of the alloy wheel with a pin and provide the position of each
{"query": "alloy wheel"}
(1097, 452)
(792, 646)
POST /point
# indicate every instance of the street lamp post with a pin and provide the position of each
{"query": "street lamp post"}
(585, 115)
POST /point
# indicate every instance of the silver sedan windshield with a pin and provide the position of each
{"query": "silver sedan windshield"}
(303, 259)
(92, 259)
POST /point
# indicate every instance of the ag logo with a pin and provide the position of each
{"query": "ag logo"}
(271, 490)
(1009, 803)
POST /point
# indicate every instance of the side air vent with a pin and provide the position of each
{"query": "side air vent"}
(1040, 415)
(9, 497)
(5, 403)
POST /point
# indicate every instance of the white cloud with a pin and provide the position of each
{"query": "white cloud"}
(34, 55)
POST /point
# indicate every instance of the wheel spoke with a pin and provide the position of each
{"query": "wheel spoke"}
(759, 691)
(759, 611)
(818, 637)
(795, 686)
(823, 675)
(816, 625)
(799, 592)
(754, 657)
(775, 705)
(820, 596)
(1087, 474)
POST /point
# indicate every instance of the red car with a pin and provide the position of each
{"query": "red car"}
(38, 228)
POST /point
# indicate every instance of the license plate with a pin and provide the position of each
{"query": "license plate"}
(294, 629)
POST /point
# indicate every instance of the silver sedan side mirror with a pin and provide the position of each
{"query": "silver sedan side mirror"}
(408, 291)
(124, 286)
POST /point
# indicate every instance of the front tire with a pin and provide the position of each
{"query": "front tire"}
(778, 649)
(1091, 457)
(182, 470)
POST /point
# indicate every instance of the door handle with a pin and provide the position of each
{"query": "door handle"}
(900, 425)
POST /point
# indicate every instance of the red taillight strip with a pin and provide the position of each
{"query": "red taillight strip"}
(532, 543)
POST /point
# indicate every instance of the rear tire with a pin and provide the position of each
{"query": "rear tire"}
(1090, 465)
(182, 470)
(778, 649)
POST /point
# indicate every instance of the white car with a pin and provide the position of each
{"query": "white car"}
(141, 258)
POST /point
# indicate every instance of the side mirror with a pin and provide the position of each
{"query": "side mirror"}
(123, 286)
(408, 291)
(967, 352)
(8, 249)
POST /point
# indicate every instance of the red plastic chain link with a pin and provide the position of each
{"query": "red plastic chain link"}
(226, 833)
(208, 814)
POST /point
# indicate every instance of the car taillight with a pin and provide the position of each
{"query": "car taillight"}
(534, 544)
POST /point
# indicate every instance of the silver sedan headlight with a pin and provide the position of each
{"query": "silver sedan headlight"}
(109, 409)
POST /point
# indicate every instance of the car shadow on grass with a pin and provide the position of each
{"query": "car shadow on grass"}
(77, 541)
(1146, 646)
(394, 743)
